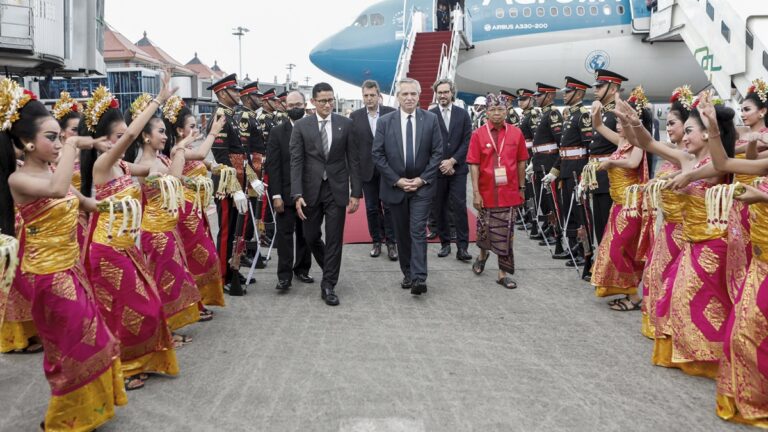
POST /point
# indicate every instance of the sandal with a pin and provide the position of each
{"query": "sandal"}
(479, 265)
(205, 315)
(507, 282)
(133, 383)
(616, 300)
(32, 348)
(180, 340)
(626, 305)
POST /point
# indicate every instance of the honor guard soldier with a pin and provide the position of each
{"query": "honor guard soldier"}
(513, 117)
(267, 117)
(607, 84)
(478, 112)
(280, 115)
(546, 142)
(528, 123)
(229, 149)
(574, 154)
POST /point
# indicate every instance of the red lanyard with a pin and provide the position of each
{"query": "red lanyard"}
(500, 148)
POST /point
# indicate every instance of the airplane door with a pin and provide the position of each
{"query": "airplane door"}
(641, 16)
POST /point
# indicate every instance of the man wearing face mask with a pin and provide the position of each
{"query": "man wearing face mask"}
(278, 167)
(229, 148)
(607, 84)
(363, 128)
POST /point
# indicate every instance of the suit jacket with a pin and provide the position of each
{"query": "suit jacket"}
(363, 138)
(389, 157)
(278, 164)
(308, 162)
(455, 138)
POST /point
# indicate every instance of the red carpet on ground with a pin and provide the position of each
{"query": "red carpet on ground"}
(356, 226)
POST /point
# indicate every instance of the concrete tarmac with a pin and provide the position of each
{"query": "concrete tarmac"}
(467, 356)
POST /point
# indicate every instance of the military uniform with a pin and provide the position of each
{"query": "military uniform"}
(513, 117)
(546, 141)
(600, 149)
(573, 156)
(528, 124)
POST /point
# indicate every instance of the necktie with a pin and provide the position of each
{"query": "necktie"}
(409, 160)
(324, 137)
(446, 120)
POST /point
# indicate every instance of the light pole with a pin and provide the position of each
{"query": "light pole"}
(306, 80)
(240, 32)
(290, 67)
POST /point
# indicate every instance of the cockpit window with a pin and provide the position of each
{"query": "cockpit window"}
(361, 21)
(377, 19)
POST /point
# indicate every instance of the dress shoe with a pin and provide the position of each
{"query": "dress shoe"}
(392, 251)
(407, 283)
(283, 285)
(587, 277)
(444, 251)
(228, 291)
(245, 261)
(376, 250)
(304, 277)
(536, 236)
(261, 263)
(330, 297)
(578, 262)
(418, 288)
(550, 240)
(463, 255)
(562, 255)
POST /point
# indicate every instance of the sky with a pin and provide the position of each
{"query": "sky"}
(281, 32)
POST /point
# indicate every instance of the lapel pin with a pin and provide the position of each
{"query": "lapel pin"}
(488, 145)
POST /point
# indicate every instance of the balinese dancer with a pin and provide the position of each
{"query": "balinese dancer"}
(82, 357)
(618, 264)
(496, 159)
(162, 199)
(124, 287)
(696, 295)
(742, 384)
(193, 226)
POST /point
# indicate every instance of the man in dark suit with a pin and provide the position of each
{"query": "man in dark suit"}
(324, 162)
(451, 184)
(364, 127)
(278, 167)
(407, 150)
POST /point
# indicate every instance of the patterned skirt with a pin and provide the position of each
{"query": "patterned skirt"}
(495, 233)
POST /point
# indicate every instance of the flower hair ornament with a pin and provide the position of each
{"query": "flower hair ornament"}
(759, 87)
(101, 100)
(684, 95)
(13, 97)
(171, 109)
(140, 104)
(65, 105)
(638, 98)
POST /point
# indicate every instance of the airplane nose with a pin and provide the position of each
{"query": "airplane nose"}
(321, 55)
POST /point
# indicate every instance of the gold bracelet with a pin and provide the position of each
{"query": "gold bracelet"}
(155, 100)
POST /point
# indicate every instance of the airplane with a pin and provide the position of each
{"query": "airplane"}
(517, 43)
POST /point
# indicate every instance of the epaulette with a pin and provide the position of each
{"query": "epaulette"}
(585, 110)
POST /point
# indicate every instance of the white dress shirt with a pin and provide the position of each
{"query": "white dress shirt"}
(373, 119)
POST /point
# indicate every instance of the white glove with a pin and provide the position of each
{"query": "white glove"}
(529, 172)
(258, 187)
(549, 178)
(241, 202)
(579, 190)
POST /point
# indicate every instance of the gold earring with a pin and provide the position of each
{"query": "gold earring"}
(705, 136)
(29, 147)
(762, 115)
(146, 140)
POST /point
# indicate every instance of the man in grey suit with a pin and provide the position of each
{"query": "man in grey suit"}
(324, 163)
(407, 150)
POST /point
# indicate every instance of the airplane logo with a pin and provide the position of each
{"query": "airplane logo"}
(597, 59)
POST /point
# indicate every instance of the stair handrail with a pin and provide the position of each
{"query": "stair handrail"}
(406, 50)
(443, 67)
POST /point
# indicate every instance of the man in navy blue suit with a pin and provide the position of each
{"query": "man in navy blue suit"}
(407, 150)
(451, 185)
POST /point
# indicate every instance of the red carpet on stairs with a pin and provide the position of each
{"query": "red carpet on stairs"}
(425, 61)
(356, 226)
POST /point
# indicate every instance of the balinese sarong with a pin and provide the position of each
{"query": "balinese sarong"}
(495, 233)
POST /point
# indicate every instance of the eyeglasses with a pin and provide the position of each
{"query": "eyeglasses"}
(324, 101)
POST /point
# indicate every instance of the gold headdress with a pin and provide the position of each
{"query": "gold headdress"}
(638, 98)
(13, 97)
(100, 101)
(9, 260)
(684, 95)
(171, 109)
(140, 104)
(65, 105)
(761, 88)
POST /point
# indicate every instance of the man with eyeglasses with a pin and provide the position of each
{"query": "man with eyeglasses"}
(364, 127)
(324, 164)
(451, 183)
(288, 223)
(407, 150)
(574, 155)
